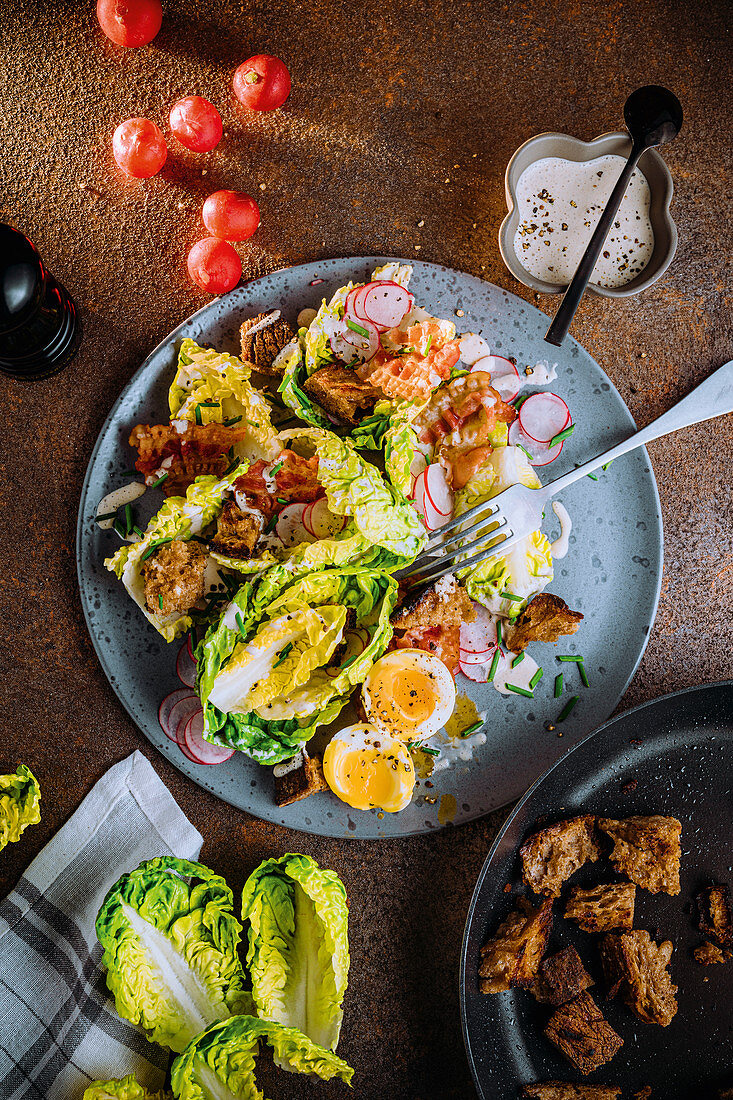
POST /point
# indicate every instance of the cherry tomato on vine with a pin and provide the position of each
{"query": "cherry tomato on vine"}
(231, 215)
(196, 123)
(214, 265)
(130, 22)
(139, 147)
(262, 83)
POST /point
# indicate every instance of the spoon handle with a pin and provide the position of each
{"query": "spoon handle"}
(563, 319)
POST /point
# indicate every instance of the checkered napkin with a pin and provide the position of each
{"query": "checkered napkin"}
(58, 1026)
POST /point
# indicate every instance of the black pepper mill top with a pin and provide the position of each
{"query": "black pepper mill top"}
(39, 323)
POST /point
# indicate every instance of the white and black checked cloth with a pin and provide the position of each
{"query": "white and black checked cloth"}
(58, 1026)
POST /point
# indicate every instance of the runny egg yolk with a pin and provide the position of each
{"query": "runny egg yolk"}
(369, 769)
(409, 694)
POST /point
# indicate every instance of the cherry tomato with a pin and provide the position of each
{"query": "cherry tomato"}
(130, 22)
(214, 265)
(262, 83)
(231, 215)
(196, 123)
(139, 147)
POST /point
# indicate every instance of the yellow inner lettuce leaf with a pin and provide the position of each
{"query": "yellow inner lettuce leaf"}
(280, 658)
(20, 796)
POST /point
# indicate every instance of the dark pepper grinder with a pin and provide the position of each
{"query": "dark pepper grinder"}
(40, 329)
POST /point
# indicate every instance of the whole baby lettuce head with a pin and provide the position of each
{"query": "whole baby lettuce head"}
(527, 568)
(124, 1088)
(20, 796)
(179, 518)
(298, 955)
(212, 387)
(269, 672)
(170, 941)
(220, 1063)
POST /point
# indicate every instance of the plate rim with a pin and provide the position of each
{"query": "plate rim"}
(506, 825)
(172, 335)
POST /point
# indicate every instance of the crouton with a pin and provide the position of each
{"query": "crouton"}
(636, 968)
(579, 1030)
(562, 977)
(714, 914)
(263, 337)
(173, 576)
(545, 619)
(512, 955)
(552, 855)
(709, 953)
(237, 532)
(647, 850)
(602, 908)
(342, 393)
(298, 778)
(432, 621)
(561, 1090)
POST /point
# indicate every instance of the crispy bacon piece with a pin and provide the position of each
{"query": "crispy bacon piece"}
(467, 409)
(200, 449)
(433, 622)
(297, 479)
(414, 373)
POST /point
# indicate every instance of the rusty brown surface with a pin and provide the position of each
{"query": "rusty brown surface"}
(401, 114)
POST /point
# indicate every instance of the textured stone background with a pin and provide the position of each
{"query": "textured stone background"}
(390, 103)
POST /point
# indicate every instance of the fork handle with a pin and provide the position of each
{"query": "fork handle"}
(713, 397)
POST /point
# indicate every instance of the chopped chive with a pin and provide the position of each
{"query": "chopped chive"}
(252, 423)
(270, 525)
(128, 519)
(357, 328)
(197, 415)
(569, 657)
(231, 421)
(536, 678)
(567, 708)
(411, 745)
(240, 622)
(564, 434)
(159, 481)
(276, 469)
(119, 529)
(518, 404)
(160, 601)
(283, 654)
(511, 596)
(494, 665)
(230, 469)
(183, 359)
(519, 691)
(558, 685)
(156, 546)
(107, 515)
(529, 456)
(430, 752)
(427, 346)
(518, 659)
(349, 662)
(583, 674)
(498, 634)
(138, 532)
(607, 464)
(593, 477)
(129, 473)
(209, 404)
(471, 729)
(281, 500)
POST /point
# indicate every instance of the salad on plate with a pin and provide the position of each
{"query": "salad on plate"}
(299, 479)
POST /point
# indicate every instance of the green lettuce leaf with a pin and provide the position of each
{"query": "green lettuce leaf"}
(290, 389)
(170, 941)
(368, 434)
(179, 518)
(220, 1063)
(125, 1088)
(298, 954)
(317, 337)
(20, 796)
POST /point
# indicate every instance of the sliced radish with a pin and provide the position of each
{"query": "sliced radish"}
(386, 303)
(203, 752)
(350, 306)
(473, 347)
(321, 521)
(165, 708)
(423, 506)
(438, 491)
(417, 466)
(478, 673)
(478, 638)
(356, 306)
(290, 527)
(539, 454)
(503, 373)
(543, 416)
(180, 713)
(186, 667)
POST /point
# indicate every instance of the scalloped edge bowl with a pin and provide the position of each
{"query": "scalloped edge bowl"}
(570, 148)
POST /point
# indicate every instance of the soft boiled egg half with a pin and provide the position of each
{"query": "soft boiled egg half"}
(369, 769)
(409, 694)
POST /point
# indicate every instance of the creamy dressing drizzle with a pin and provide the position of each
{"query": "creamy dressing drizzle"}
(560, 546)
(118, 498)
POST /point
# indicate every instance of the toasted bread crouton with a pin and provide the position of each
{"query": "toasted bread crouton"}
(553, 854)
(647, 850)
(708, 953)
(342, 393)
(263, 337)
(298, 778)
(636, 967)
(512, 955)
(602, 908)
(579, 1030)
(173, 576)
(561, 1090)
(237, 532)
(432, 621)
(545, 619)
(562, 977)
(714, 914)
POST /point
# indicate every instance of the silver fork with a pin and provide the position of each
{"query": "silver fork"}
(506, 519)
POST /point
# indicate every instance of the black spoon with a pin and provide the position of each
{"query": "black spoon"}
(653, 116)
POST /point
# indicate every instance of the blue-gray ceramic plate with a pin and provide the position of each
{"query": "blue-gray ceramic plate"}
(612, 572)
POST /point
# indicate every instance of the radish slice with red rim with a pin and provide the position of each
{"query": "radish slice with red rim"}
(355, 302)
(186, 667)
(543, 416)
(478, 638)
(200, 750)
(417, 466)
(180, 713)
(290, 527)
(504, 375)
(319, 519)
(477, 673)
(538, 454)
(386, 303)
(438, 491)
(424, 502)
(166, 707)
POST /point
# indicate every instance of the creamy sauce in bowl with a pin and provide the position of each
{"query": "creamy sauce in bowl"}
(559, 204)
